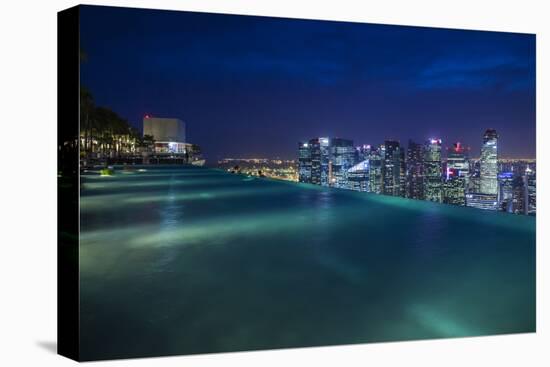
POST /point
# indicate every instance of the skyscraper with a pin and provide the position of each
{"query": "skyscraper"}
(414, 171)
(453, 188)
(375, 171)
(488, 164)
(358, 177)
(457, 158)
(392, 169)
(531, 179)
(342, 158)
(519, 195)
(456, 177)
(433, 185)
(320, 161)
(364, 152)
(505, 191)
(304, 162)
(473, 177)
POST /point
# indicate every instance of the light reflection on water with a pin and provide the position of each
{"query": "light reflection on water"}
(191, 260)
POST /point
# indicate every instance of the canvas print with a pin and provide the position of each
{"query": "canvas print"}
(237, 183)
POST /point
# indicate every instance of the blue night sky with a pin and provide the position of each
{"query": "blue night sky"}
(255, 86)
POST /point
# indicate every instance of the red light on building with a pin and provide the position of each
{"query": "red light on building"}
(457, 147)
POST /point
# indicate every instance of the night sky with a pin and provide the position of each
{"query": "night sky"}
(255, 86)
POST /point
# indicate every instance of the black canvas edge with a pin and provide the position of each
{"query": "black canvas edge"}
(68, 191)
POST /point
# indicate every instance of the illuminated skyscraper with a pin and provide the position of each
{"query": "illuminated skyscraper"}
(453, 188)
(433, 184)
(531, 179)
(393, 168)
(304, 162)
(364, 152)
(519, 195)
(457, 158)
(358, 177)
(375, 171)
(505, 191)
(488, 164)
(320, 161)
(342, 158)
(456, 177)
(414, 171)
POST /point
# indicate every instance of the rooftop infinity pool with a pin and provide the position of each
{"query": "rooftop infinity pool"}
(177, 260)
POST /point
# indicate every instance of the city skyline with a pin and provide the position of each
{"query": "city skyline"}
(256, 96)
(419, 171)
(446, 148)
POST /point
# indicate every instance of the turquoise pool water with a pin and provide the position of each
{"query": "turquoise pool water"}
(193, 260)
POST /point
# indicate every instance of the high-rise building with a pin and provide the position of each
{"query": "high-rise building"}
(364, 152)
(531, 179)
(488, 163)
(519, 195)
(304, 162)
(453, 188)
(457, 158)
(433, 184)
(473, 177)
(320, 161)
(402, 173)
(342, 158)
(358, 177)
(414, 171)
(393, 168)
(376, 179)
(456, 177)
(505, 191)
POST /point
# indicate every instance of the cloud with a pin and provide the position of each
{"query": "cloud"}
(501, 72)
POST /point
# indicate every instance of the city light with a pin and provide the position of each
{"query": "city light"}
(421, 172)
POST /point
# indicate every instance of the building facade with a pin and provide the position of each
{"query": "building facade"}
(457, 159)
(342, 158)
(376, 179)
(414, 171)
(304, 162)
(482, 201)
(505, 191)
(519, 195)
(433, 184)
(393, 168)
(457, 176)
(320, 161)
(454, 188)
(359, 177)
(531, 179)
(488, 163)
(168, 134)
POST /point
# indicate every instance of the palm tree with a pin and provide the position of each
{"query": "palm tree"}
(86, 115)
